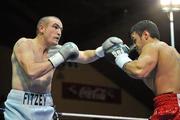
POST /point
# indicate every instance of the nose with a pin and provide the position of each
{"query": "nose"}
(59, 33)
(133, 47)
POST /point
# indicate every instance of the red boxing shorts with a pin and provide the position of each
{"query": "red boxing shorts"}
(166, 107)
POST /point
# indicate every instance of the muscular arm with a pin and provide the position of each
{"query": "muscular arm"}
(25, 56)
(145, 63)
(86, 56)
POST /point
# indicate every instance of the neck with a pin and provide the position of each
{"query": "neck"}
(151, 40)
(40, 43)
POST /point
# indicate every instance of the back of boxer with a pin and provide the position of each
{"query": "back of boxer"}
(34, 61)
(158, 65)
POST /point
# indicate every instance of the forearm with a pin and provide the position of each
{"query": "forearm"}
(38, 69)
(86, 57)
(133, 69)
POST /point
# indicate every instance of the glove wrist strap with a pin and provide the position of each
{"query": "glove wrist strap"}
(56, 59)
(122, 59)
(99, 51)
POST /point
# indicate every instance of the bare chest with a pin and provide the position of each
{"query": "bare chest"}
(39, 56)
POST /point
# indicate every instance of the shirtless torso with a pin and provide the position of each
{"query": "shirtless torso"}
(165, 77)
(20, 79)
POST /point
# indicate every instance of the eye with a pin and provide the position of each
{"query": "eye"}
(56, 27)
(134, 40)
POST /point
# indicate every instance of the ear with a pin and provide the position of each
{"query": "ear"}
(41, 28)
(146, 34)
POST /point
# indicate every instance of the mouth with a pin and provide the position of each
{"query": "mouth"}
(57, 38)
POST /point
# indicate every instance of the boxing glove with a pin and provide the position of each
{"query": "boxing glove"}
(53, 50)
(111, 41)
(69, 51)
(112, 52)
(121, 56)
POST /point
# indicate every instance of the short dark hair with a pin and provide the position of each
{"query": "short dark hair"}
(148, 25)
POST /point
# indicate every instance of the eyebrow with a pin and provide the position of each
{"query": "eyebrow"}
(58, 26)
(132, 37)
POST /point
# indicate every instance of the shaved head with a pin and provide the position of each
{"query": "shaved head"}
(44, 21)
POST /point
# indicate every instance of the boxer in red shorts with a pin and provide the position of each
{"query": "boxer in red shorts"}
(158, 65)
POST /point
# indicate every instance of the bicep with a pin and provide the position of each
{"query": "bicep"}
(148, 59)
(23, 54)
(145, 63)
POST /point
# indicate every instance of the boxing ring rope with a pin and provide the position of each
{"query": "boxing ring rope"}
(92, 116)
(100, 116)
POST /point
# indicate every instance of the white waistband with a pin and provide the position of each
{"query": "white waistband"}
(30, 98)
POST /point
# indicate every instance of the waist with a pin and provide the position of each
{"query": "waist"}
(30, 98)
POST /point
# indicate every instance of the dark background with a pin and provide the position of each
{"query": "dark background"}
(88, 23)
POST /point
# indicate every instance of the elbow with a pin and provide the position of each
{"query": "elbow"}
(32, 77)
(31, 74)
(141, 74)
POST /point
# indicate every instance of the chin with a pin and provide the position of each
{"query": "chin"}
(55, 43)
(138, 51)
